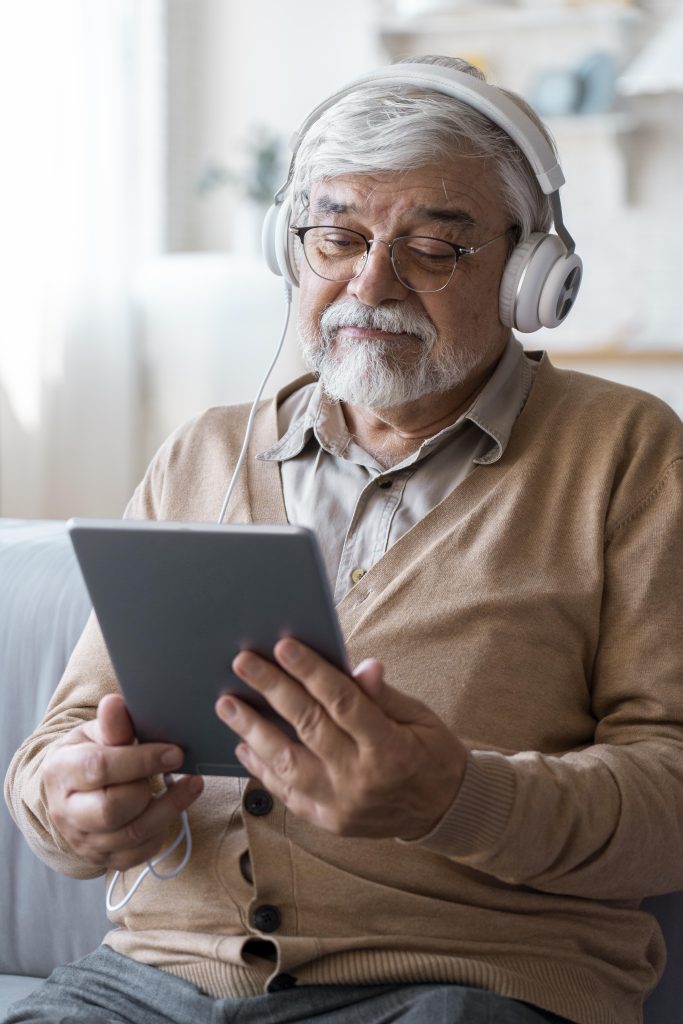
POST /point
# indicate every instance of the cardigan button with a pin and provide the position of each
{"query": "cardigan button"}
(266, 918)
(281, 982)
(258, 802)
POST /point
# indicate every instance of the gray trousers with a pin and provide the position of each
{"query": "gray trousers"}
(107, 988)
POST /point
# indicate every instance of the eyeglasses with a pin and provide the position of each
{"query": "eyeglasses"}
(421, 264)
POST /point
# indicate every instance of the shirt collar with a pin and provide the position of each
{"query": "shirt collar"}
(501, 400)
(493, 411)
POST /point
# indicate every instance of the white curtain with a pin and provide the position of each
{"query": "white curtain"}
(81, 174)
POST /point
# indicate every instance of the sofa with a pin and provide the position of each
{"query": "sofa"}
(46, 919)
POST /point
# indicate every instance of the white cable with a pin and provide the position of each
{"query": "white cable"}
(152, 864)
(252, 414)
(185, 830)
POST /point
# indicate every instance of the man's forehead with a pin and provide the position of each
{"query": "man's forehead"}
(446, 191)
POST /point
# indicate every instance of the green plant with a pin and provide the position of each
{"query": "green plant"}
(261, 173)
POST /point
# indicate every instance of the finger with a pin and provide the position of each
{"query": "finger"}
(370, 675)
(270, 774)
(399, 707)
(345, 702)
(109, 809)
(113, 720)
(370, 710)
(90, 766)
(291, 762)
(142, 836)
(294, 703)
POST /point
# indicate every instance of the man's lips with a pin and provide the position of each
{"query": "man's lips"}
(373, 333)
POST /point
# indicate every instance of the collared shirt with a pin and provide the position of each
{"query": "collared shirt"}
(358, 508)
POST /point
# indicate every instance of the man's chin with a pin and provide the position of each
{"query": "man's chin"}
(369, 395)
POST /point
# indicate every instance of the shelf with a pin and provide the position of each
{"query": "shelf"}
(503, 19)
(613, 355)
(599, 125)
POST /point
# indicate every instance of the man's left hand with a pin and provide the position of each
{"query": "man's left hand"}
(371, 760)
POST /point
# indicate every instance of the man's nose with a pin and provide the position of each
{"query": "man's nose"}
(377, 283)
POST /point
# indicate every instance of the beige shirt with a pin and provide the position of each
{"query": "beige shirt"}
(356, 507)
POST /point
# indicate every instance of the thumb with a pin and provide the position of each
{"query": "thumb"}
(370, 675)
(396, 705)
(113, 721)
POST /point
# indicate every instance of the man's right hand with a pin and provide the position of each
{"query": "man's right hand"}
(98, 792)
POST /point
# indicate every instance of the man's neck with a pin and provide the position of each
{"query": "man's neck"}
(391, 435)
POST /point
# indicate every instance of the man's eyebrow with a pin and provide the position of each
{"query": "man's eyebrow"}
(446, 216)
(325, 204)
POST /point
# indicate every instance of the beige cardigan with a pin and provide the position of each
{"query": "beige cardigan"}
(537, 610)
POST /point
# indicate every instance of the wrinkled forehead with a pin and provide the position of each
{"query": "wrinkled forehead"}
(462, 190)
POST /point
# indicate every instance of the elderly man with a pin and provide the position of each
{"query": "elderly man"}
(465, 827)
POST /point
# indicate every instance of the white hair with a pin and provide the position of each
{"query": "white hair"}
(381, 127)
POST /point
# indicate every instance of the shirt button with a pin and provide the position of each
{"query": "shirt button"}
(266, 918)
(385, 484)
(281, 982)
(358, 575)
(258, 802)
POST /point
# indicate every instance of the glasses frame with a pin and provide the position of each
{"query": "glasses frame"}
(458, 252)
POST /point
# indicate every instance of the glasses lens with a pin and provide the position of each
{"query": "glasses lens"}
(336, 254)
(423, 264)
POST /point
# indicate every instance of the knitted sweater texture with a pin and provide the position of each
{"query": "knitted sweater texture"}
(537, 611)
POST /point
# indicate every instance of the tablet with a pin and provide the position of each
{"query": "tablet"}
(177, 601)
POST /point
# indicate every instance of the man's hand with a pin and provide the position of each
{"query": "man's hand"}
(371, 761)
(97, 787)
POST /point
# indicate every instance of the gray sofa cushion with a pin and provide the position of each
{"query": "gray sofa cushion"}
(45, 919)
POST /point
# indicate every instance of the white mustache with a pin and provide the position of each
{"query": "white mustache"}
(394, 318)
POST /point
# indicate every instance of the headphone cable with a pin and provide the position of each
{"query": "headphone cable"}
(252, 414)
(185, 829)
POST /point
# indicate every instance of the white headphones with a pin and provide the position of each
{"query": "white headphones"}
(542, 276)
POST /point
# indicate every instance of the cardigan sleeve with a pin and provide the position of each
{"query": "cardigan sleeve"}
(88, 677)
(605, 821)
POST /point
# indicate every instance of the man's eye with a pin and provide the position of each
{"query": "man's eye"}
(339, 242)
(334, 245)
(429, 251)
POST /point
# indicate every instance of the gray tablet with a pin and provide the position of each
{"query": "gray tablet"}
(177, 601)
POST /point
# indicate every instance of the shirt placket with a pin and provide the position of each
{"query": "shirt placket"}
(367, 537)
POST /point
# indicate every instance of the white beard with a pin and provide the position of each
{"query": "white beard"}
(377, 374)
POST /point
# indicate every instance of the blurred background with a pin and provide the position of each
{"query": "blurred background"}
(142, 141)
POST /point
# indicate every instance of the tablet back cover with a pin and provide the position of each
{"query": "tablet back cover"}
(176, 602)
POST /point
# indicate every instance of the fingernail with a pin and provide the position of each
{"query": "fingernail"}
(242, 752)
(246, 665)
(228, 708)
(172, 758)
(290, 651)
(196, 784)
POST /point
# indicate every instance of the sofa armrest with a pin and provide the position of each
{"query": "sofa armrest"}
(45, 919)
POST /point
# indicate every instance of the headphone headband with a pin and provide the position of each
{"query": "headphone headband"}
(485, 98)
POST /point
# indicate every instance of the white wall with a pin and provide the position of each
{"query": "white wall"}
(235, 65)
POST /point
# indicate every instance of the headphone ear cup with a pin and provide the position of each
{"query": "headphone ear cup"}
(276, 242)
(539, 284)
(509, 283)
(268, 239)
(560, 290)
